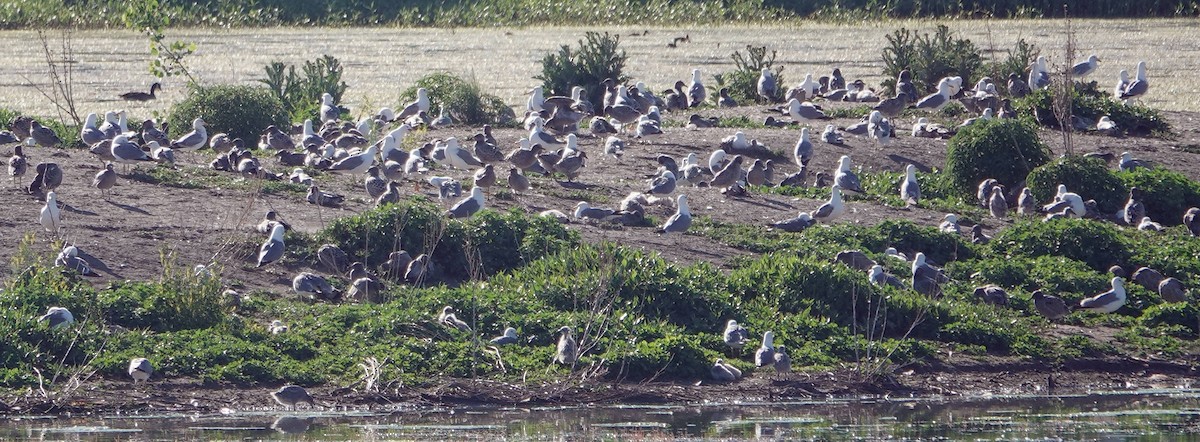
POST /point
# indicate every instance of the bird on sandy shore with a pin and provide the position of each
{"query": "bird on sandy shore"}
(57, 317)
(1108, 301)
(766, 351)
(272, 249)
(140, 369)
(291, 396)
(567, 351)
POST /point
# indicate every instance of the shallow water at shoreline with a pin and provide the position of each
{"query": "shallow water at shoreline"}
(1140, 415)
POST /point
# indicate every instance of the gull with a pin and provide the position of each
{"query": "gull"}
(417, 268)
(1122, 83)
(447, 187)
(696, 92)
(877, 276)
(272, 249)
(614, 147)
(421, 104)
(1191, 219)
(735, 142)
(905, 86)
(723, 372)
(977, 235)
(984, 191)
(42, 135)
(892, 107)
(313, 286)
(355, 164)
(910, 189)
(125, 152)
(1106, 302)
(663, 183)
(1082, 69)
(997, 204)
(782, 362)
(680, 220)
(805, 111)
(879, 129)
(1107, 126)
(735, 335)
(1039, 74)
(18, 165)
(831, 136)
(1148, 225)
(766, 352)
(583, 210)
(991, 294)
(1064, 200)
(766, 85)
(1135, 209)
(950, 224)
(803, 151)
(568, 350)
(485, 177)
(536, 99)
(160, 153)
(937, 100)
(58, 317)
(1026, 204)
(1128, 163)
(467, 206)
(509, 337)
(757, 175)
(517, 181)
(1138, 86)
(600, 126)
(277, 327)
(1050, 306)
(292, 395)
(327, 199)
(329, 111)
(448, 318)
(90, 133)
(802, 221)
(140, 368)
(845, 178)
(926, 279)
(832, 209)
(723, 98)
(716, 160)
(69, 258)
(807, 90)
(645, 126)
(51, 215)
(194, 140)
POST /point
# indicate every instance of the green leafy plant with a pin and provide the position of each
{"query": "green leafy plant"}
(1167, 194)
(1006, 150)
(929, 58)
(1091, 103)
(743, 80)
(462, 99)
(598, 57)
(1016, 61)
(1087, 177)
(241, 111)
(301, 94)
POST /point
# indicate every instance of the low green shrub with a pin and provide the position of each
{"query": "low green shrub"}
(1182, 314)
(1099, 245)
(462, 99)
(929, 58)
(794, 285)
(1006, 150)
(1167, 194)
(1091, 102)
(742, 81)
(1090, 178)
(240, 111)
(597, 57)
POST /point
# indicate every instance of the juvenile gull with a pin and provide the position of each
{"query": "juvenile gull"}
(681, 220)
(997, 205)
(272, 249)
(18, 165)
(1191, 219)
(782, 362)
(517, 181)
(735, 335)
(1050, 306)
(485, 177)
(567, 351)
(140, 368)
(722, 372)
(892, 107)
(831, 136)
(991, 294)
(614, 147)
(1106, 302)
(42, 135)
(291, 396)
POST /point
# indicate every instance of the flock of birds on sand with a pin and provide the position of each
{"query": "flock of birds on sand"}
(555, 126)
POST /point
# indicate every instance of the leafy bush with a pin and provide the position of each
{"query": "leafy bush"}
(1090, 178)
(301, 95)
(1006, 150)
(1015, 62)
(1168, 194)
(597, 58)
(462, 99)
(1184, 314)
(795, 285)
(241, 111)
(743, 80)
(1097, 244)
(929, 58)
(1091, 102)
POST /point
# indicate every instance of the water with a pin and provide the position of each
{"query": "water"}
(1147, 415)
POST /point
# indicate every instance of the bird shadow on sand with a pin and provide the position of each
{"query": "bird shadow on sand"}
(78, 211)
(921, 167)
(575, 185)
(97, 264)
(129, 208)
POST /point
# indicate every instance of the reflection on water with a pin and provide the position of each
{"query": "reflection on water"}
(1143, 415)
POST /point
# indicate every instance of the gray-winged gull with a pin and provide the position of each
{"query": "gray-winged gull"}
(926, 279)
(950, 224)
(313, 286)
(277, 327)
(1122, 83)
(845, 178)
(1039, 74)
(879, 129)
(1138, 86)
(766, 85)
(317, 196)
(1066, 201)
(140, 368)
(509, 337)
(417, 269)
(69, 258)
(735, 335)
(90, 133)
(1172, 290)
(1050, 306)
(991, 294)
(937, 100)
(460, 158)
(193, 140)
(723, 372)
(1106, 302)
(802, 221)
(567, 351)
(663, 183)
(696, 93)
(125, 152)
(51, 216)
(1128, 163)
(291, 396)
(680, 220)
(1149, 225)
(831, 136)
(467, 206)
(1082, 69)
(803, 150)
(1191, 219)
(614, 147)
(355, 164)
(272, 249)
(583, 210)
(57, 317)
(328, 110)
(805, 111)
(421, 104)
(910, 189)
(449, 319)
(1107, 126)
(765, 355)
(717, 160)
(832, 209)
(877, 276)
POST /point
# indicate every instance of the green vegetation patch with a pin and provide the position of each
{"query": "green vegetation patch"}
(240, 111)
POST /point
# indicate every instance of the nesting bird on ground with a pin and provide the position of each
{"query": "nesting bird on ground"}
(57, 317)
(782, 362)
(766, 352)
(831, 136)
(735, 335)
(508, 337)
(567, 351)
(1191, 220)
(321, 198)
(802, 221)
(614, 147)
(291, 396)
(69, 258)
(449, 319)
(272, 249)
(977, 235)
(879, 128)
(1128, 163)
(805, 111)
(42, 135)
(877, 276)
(991, 294)
(1066, 202)
(1107, 126)
(313, 286)
(926, 279)
(1149, 225)
(723, 372)
(1106, 302)
(1135, 209)
(723, 98)
(663, 183)
(950, 224)
(1050, 306)
(140, 368)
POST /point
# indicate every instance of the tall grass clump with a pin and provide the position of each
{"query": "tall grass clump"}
(240, 111)
(929, 58)
(301, 93)
(743, 80)
(1006, 150)
(597, 57)
(462, 99)
(1087, 177)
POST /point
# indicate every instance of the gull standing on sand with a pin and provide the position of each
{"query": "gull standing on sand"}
(140, 368)
(1106, 302)
(18, 165)
(194, 140)
(421, 104)
(125, 152)
(832, 209)
(681, 220)
(272, 249)
(105, 179)
(803, 151)
(51, 215)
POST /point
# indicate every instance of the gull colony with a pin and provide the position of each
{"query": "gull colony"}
(382, 151)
